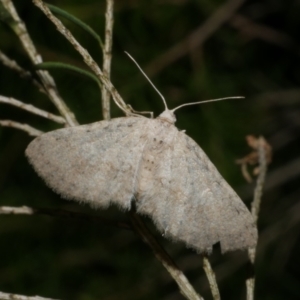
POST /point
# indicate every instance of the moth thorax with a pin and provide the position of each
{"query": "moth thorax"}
(168, 116)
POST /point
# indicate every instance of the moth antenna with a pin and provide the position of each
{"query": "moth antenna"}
(159, 93)
(207, 101)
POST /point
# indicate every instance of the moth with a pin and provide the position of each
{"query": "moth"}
(151, 162)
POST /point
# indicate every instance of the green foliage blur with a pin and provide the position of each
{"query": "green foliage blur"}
(254, 54)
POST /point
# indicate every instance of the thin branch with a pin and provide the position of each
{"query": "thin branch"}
(263, 163)
(19, 27)
(255, 207)
(184, 285)
(109, 21)
(85, 55)
(250, 282)
(211, 278)
(25, 127)
(13, 65)
(196, 38)
(32, 109)
(26, 210)
(6, 296)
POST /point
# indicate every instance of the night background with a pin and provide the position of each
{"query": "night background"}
(254, 53)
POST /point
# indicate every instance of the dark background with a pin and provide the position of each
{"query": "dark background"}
(254, 54)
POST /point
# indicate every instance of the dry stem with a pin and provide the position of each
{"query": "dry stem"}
(85, 55)
(32, 109)
(20, 29)
(109, 21)
(255, 207)
(25, 127)
(184, 285)
(13, 65)
(211, 278)
(26, 210)
(6, 296)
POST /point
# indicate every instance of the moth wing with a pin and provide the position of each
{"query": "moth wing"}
(94, 163)
(227, 219)
(193, 203)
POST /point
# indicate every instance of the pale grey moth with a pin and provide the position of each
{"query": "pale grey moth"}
(150, 162)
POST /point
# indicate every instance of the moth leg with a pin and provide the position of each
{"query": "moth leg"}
(135, 112)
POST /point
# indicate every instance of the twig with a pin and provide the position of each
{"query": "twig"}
(85, 55)
(13, 65)
(255, 207)
(32, 109)
(26, 210)
(25, 127)
(19, 27)
(196, 38)
(5, 296)
(184, 285)
(109, 21)
(211, 278)
(250, 281)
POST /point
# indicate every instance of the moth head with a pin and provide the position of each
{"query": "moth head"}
(168, 115)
